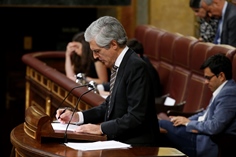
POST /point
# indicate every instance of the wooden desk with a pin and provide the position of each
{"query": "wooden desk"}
(28, 147)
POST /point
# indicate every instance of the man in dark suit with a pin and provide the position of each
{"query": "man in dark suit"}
(128, 114)
(193, 135)
(226, 13)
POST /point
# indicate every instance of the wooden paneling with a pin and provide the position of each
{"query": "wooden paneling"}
(174, 16)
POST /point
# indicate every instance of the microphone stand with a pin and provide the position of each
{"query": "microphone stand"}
(69, 94)
(65, 135)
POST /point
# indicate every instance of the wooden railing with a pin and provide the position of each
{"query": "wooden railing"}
(47, 84)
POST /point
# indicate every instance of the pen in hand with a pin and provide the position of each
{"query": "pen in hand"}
(62, 113)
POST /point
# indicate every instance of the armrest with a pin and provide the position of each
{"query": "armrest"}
(161, 100)
(163, 108)
(180, 113)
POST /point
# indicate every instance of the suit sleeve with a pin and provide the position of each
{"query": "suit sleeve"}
(232, 31)
(221, 114)
(131, 100)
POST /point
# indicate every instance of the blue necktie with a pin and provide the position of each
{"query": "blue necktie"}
(217, 32)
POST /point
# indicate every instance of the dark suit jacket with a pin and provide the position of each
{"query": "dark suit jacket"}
(228, 35)
(220, 118)
(132, 117)
(156, 82)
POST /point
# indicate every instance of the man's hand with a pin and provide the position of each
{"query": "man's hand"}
(64, 115)
(89, 128)
(179, 120)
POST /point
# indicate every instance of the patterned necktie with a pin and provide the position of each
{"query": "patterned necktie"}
(112, 81)
(113, 77)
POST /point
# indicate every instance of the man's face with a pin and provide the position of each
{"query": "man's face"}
(206, 8)
(215, 9)
(211, 79)
(106, 56)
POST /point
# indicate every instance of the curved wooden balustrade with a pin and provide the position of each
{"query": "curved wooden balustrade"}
(47, 84)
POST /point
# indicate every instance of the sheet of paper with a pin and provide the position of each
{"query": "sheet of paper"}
(97, 145)
(60, 126)
(169, 101)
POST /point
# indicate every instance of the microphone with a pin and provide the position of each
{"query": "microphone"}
(69, 94)
(94, 84)
(76, 106)
(80, 78)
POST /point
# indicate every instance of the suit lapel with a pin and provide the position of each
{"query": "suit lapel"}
(224, 24)
(213, 104)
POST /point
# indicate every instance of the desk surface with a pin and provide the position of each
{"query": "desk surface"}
(28, 147)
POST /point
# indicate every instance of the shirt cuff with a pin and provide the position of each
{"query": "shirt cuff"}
(101, 129)
(100, 87)
(81, 118)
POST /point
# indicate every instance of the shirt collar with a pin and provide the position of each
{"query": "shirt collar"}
(223, 10)
(217, 91)
(121, 56)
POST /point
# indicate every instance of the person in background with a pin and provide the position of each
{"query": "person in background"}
(128, 114)
(226, 13)
(192, 135)
(135, 45)
(207, 25)
(78, 59)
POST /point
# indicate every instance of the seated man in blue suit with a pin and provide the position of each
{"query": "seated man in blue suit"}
(193, 135)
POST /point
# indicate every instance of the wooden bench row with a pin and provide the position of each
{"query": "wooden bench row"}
(178, 58)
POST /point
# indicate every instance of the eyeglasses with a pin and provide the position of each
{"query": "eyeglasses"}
(209, 77)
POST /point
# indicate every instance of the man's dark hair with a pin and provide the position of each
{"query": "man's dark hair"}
(219, 63)
(135, 45)
(194, 3)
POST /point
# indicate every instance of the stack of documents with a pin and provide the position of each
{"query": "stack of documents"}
(88, 145)
(97, 145)
(60, 126)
